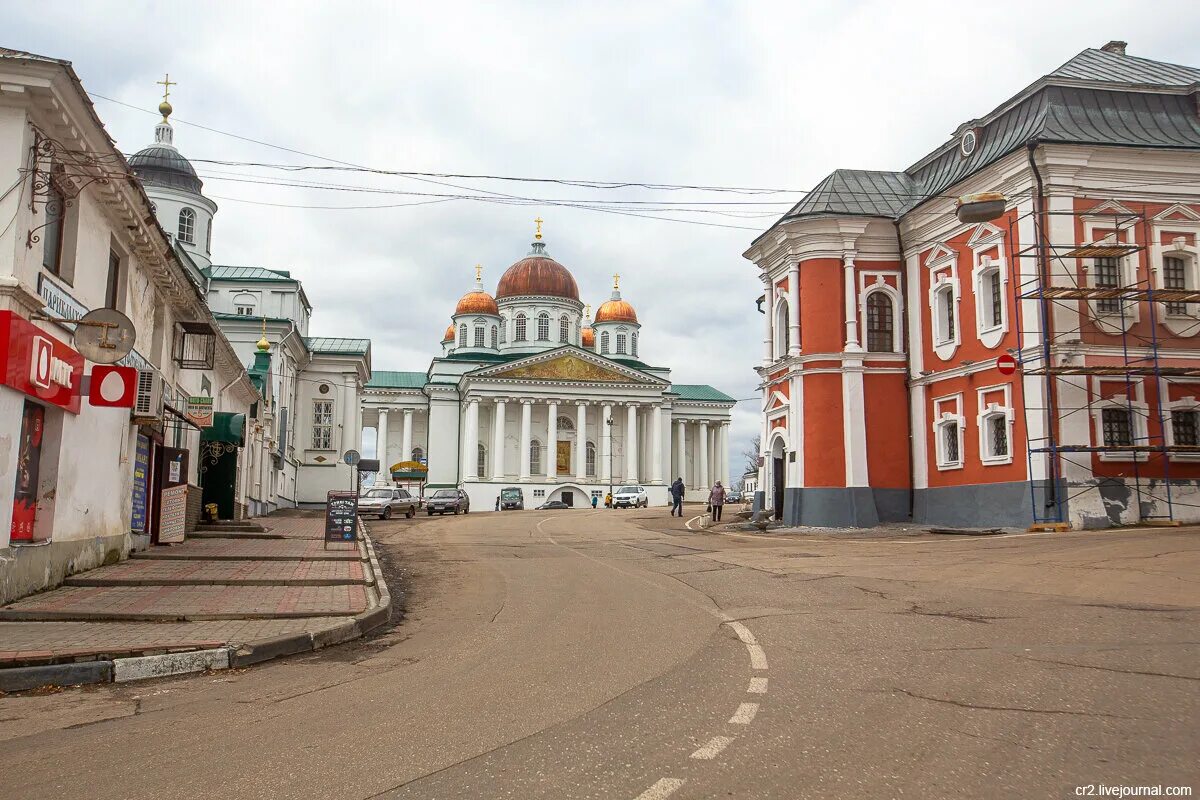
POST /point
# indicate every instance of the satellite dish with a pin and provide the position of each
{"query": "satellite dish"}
(104, 335)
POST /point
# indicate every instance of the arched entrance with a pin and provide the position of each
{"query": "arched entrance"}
(778, 469)
(572, 495)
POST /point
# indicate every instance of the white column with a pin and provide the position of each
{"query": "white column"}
(631, 443)
(769, 307)
(723, 452)
(498, 443)
(471, 441)
(702, 449)
(793, 310)
(681, 451)
(581, 442)
(606, 433)
(656, 461)
(406, 444)
(349, 414)
(852, 344)
(523, 454)
(381, 438)
(551, 442)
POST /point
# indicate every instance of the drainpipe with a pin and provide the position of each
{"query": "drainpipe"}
(1051, 412)
(908, 401)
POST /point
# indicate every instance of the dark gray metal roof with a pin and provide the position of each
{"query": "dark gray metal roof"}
(159, 165)
(1102, 65)
(860, 192)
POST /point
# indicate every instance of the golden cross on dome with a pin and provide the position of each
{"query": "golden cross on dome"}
(167, 83)
(478, 273)
(539, 222)
(616, 281)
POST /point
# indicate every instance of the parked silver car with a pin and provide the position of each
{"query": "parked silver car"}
(631, 497)
(386, 502)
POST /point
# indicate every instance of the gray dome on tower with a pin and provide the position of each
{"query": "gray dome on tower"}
(163, 165)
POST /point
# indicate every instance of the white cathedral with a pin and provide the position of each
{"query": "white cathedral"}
(526, 392)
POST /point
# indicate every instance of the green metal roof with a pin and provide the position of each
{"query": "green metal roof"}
(248, 318)
(396, 380)
(222, 273)
(628, 362)
(337, 345)
(700, 391)
(495, 358)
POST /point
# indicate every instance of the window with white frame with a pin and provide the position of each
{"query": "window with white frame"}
(590, 459)
(945, 312)
(187, 225)
(1185, 427)
(948, 437)
(495, 333)
(564, 329)
(208, 237)
(604, 343)
(995, 446)
(480, 335)
(633, 337)
(535, 457)
(245, 305)
(1106, 274)
(881, 331)
(1116, 426)
(462, 335)
(504, 331)
(543, 327)
(620, 344)
(322, 425)
(782, 329)
(481, 460)
(1175, 277)
(989, 296)
(519, 336)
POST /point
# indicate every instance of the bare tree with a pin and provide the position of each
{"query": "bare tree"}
(752, 453)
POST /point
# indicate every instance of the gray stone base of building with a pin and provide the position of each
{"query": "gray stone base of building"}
(35, 568)
(757, 504)
(853, 507)
(984, 505)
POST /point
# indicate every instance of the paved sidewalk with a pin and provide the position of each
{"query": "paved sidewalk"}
(260, 597)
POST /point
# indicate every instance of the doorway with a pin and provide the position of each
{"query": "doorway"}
(568, 498)
(778, 460)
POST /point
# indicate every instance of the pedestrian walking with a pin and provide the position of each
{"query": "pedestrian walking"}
(595, 500)
(608, 500)
(497, 502)
(716, 499)
(677, 497)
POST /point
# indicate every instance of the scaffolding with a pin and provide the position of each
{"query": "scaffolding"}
(1045, 277)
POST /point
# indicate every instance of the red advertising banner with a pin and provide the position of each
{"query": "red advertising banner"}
(36, 363)
(29, 456)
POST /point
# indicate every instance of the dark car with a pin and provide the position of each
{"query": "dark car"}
(512, 499)
(553, 504)
(443, 500)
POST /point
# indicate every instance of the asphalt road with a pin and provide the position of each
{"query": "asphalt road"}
(602, 654)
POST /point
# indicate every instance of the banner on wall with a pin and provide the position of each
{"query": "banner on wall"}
(29, 456)
(141, 477)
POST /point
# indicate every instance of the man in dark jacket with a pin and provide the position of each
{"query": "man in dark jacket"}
(677, 497)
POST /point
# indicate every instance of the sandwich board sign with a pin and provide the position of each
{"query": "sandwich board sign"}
(341, 517)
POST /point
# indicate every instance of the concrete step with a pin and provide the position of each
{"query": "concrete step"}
(159, 572)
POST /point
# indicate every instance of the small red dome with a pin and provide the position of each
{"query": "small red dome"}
(588, 338)
(449, 337)
(616, 311)
(476, 303)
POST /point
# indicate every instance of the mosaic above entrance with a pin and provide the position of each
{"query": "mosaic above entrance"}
(566, 368)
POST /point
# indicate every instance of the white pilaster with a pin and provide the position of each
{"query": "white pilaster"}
(794, 310)
(631, 443)
(381, 443)
(581, 442)
(769, 307)
(406, 437)
(526, 422)
(471, 441)
(606, 434)
(656, 461)
(702, 475)
(723, 452)
(498, 443)
(852, 345)
(680, 450)
(551, 464)
(349, 414)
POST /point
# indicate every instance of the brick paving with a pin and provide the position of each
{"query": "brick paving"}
(196, 571)
(241, 549)
(32, 642)
(188, 602)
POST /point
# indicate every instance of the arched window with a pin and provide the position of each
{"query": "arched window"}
(504, 330)
(520, 334)
(479, 334)
(604, 343)
(462, 335)
(633, 343)
(543, 327)
(565, 424)
(620, 344)
(481, 460)
(590, 459)
(208, 237)
(535, 457)
(880, 323)
(418, 454)
(245, 304)
(782, 329)
(187, 225)
(564, 329)
(495, 333)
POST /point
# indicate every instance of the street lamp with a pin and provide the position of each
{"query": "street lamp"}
(609, 423)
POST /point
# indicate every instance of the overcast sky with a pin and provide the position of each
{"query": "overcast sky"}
(750, 94)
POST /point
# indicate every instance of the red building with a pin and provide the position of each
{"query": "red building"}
(886, 316)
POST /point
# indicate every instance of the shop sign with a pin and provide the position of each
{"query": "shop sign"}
(141, 476)
(59, 304)
(200, 411)
(172, 517)
(112, 386)
(38, 364)
(29, 456)
(341, 516)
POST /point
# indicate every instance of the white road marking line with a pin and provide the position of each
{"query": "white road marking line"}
(743, 632)
(712, 748)
(758, 686)
(758, 657)
(745, 714)
(688, 524)
(664, 788)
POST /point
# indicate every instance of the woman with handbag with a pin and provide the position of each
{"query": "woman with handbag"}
(716, 500)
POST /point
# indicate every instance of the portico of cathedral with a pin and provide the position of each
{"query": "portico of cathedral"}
(530, 392)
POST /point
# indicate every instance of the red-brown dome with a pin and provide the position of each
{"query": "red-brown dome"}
(476, 303)
(449, 337)
(537, 275)
(616, 311)
(588, 338)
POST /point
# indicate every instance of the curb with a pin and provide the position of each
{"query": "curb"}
(160, 666)
(17, 679)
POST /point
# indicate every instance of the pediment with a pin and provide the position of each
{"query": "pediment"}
(939, 254)
(775, 402)
(1109, 208)
(1178, 213)
(985, 234)
(575, 366)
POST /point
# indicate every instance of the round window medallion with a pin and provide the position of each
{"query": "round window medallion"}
(323, 388)
(967, 144)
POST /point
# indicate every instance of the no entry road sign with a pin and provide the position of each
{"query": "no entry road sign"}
(1006, 364)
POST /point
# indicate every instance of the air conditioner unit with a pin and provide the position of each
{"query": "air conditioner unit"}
(148, 404)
